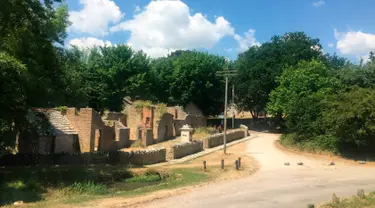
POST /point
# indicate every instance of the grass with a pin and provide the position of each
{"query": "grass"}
(88, 190)
(318, 146)
(137, 144)
(354, 202)
(203, 132)
(87, 187)
(31, 184)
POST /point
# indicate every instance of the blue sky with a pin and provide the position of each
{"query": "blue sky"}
(221, 26)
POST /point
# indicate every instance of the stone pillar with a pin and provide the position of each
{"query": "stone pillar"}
(246, 130)
(147, 137)
(186, 133)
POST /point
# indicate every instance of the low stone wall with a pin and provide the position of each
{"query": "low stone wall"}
(141, 157)
(218, 139)
(181, 150)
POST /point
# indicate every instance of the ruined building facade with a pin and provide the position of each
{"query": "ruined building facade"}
(84, 130)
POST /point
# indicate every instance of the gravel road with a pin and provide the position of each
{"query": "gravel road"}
(277, 185)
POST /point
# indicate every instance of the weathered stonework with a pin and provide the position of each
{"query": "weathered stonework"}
(218, 139)
(181, 150)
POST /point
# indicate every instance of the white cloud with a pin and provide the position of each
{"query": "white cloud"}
(331, 45)
(137, 9)
(87, 43)
(247, 41)
(95, 17)
(355, 43)
(319, 3)
(167, 25)
(229, 50)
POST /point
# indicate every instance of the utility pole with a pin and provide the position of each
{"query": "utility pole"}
(234, 114)
(227, 73)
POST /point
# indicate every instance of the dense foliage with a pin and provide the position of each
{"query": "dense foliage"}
(259, 66)
(326, 108)
(190, 76)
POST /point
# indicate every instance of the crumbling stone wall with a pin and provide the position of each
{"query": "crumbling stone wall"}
(218, 139)
(81, 120)
(134, 120)
(183, 149)
(164, 127)
(93, 134)
(143, 157)
(64, 143)
(116, 116)
(177, 112)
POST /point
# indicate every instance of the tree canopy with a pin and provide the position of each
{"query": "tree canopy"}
(259, 66)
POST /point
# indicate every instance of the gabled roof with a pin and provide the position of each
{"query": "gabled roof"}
(59, 123)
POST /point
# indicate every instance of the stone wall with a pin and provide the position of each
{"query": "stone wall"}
(177, 112)
(218, 139)
(183, 149)
(195, 121)
(144, 157)
(134, 120)
(116, 116)
(164, 127)
(120, 138)
(147, 138)
(81, 120)
(65, 143)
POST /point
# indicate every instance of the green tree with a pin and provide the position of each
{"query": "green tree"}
(13, 97)
(259, 66)
(190, 76)
(350, 116)
(298, 96)
(114, 73)
(30, 33)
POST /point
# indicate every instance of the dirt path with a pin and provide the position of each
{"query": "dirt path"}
(277, 185)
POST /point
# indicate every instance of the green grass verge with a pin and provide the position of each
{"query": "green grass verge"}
(354, 202)
(78, 193)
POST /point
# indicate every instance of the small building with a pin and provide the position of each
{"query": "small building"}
(73, 130)
(155, 123)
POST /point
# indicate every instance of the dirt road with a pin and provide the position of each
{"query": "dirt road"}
(277, 185)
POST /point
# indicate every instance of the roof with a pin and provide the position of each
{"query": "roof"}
(59, 123)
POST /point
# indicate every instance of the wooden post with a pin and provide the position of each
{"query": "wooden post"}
(239, 162)
(361, 193)
(204, 165)
(222, 164)
(236, 164)
(310, 206)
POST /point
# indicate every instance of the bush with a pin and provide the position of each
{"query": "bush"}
(317, 144)
(151, 175)
(87, 187)
(205, 130)
(350, 116)
(162, 173)
(144, 179)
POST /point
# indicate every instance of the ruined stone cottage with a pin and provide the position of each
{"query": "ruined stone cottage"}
(155, 123)
(74, 130)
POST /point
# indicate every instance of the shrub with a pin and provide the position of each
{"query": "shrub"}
(87, 187)
(350, 116)
(144, 179)
(62, 109)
